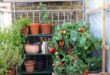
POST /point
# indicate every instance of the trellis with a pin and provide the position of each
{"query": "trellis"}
(104, 46)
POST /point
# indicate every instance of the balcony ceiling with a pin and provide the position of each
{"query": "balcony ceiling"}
(38, 0)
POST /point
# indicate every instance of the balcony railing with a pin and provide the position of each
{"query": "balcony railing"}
(38, 0)
(56, 16)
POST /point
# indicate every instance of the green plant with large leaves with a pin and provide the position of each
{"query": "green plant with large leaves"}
(72, 41)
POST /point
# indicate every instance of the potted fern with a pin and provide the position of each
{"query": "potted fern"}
(45, 22)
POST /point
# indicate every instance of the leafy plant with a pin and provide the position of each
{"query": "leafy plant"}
(44, 13)
(94, 63)
(72, 41)
(10, 49)
(24, 22)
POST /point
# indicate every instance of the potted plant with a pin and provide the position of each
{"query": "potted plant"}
(94, 64)
(10, 52)
(24, 24)
(45, 25)
(71, 41)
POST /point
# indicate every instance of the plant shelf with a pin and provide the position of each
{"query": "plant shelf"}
(39, 35)
(38, 54)
(48, 70)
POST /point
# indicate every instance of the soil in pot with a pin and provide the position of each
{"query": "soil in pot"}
(29, 65)
(34, 28)
(46, 28)
(11, 72)
(32, 48)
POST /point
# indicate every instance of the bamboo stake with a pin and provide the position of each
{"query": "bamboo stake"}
(86, 9)
(108, 5)
(104, 38)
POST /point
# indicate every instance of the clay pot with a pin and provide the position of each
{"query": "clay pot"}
(46, 28)
(32, 48)
(29, 65)
(11, 72)
(85, 72)
(34, 28)
(25, 30)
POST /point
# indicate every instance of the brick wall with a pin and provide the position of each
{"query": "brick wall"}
(52, 6)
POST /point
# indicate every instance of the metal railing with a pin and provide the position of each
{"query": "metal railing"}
(56, 16)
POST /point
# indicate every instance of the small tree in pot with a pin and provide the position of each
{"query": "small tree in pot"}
(45, 26)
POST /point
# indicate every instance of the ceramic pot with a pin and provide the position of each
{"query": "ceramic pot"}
(34, 28)
(85, 73)
(25, 30)
(11, 72)
(31, 48)
(45, 28)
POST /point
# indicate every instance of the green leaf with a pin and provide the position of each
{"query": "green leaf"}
(73, 35)
(82, 41)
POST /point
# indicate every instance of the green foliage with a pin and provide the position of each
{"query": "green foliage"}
(24, 22)
(94, 63)
(77, 43)
(10, 49)
(44, 13)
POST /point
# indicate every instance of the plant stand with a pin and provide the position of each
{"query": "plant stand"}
(43, 62)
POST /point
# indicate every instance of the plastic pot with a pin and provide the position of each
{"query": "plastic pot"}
(40, 64)
(45, 28)
(34, 28)
(29, 65)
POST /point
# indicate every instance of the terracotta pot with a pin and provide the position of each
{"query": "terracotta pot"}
(34, 28)
(31, 48)
(85, 72)
(11, 72)
(25, 30)
(29, 65)
(46, 28)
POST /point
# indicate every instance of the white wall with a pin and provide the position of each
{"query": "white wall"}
(5, 15)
